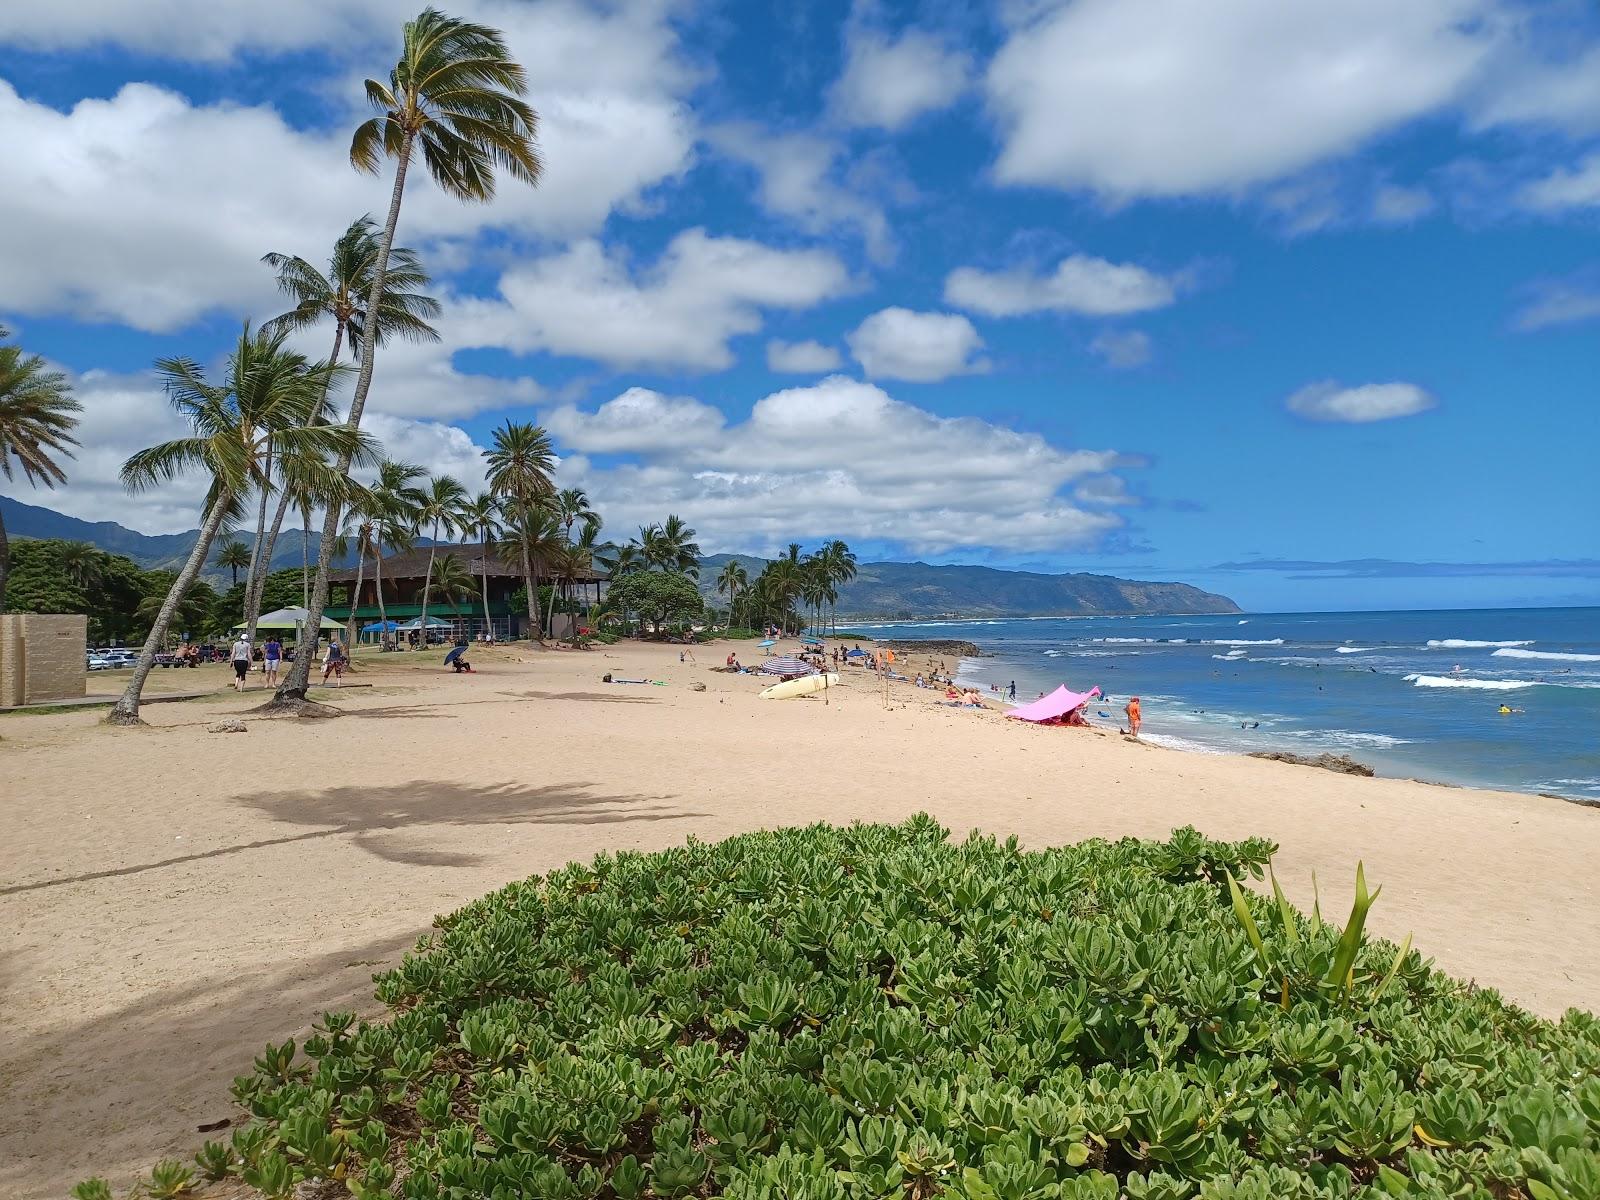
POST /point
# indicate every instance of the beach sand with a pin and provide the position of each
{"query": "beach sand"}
(172, 899)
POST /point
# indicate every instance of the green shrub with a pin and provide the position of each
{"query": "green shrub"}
(874, 1012)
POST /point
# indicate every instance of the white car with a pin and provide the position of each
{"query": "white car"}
(98, 662)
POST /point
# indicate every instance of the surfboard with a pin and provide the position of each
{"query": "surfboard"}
(803, 686)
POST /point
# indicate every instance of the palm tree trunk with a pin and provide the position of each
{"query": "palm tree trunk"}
(126, 710)
(256, 587)
(483, 561)
(293, 688)
(355, 596)
(550, 617)
(256, 562)
(427, 585)
(377, 586)
(305, 558)
(5, 562)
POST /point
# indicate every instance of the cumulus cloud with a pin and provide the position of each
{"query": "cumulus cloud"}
(1329, 401)
(1526, 88)
(437, 447)
(1079, 284)
(94, 223)
(1122, 349)
(924, 347)
(680, 311)
(840, 457)
(1129, 98)
(1565, 188)
(1560, 302)
(801, 358)
(889, 81)
(799, 178)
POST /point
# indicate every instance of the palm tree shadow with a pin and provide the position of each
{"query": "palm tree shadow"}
(366, 814)
(592, 697)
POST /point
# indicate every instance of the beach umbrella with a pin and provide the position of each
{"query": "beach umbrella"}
(811, 641)
(767, 642)
(855, 654)
(788, 667)
(416, 623)
(381, 627)
(288, 618)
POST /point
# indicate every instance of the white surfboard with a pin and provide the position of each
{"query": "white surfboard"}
(803, 686)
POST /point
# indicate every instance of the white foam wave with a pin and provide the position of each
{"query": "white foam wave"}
(1355, 649)
(1349, 738)
(1454, 681)
(1230, 656)
(1469, 644)
(1054, 653)
(1125, 641)
(1246, 642)
(1244, 622)
(1177, 743)
(1546, 655)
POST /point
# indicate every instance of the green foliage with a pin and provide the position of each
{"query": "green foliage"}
(119, 598)
(659, 597)
(877, 1013)
(169, 1179)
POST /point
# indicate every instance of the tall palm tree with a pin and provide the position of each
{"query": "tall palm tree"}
(520, 463)
(394, 499)
(441, 508)
(480, 519)
(731, 581)
(573, 506)
(532, 533)
(271, 394)
(455, 97)
(233, 555)
(362, 532)
(840, 563)
(341, 295)
(620, 561)
(37, 417)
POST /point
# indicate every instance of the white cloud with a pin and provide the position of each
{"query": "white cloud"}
(438, 448)
(801, 358)
(1079, 284)
(1565, 188)
(1122, 349)
(925, 347)
(95, 222)
(1560, 302)
(798, 178)
(1393, 204)
(810, 462)
(1131, 98)
(1329, 401)
(679, 312)
(889, 81)
(1527, 89)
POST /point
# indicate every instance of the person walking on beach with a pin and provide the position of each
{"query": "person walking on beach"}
(271, 656)
(333, 663)
(241, 662)
(1011, 692)
(1134, 717)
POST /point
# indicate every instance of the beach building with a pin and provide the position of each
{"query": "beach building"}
(404, 573)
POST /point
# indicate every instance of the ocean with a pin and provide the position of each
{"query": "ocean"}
(1411, 694)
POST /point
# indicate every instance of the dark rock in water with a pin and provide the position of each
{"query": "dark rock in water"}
(935, 646)
(1341, 763)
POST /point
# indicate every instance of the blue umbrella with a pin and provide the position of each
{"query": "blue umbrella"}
(810, 641)
(855, 654)
(768, 642)
(381, 627)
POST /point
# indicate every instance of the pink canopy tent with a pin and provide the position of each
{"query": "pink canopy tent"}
(1057, 704)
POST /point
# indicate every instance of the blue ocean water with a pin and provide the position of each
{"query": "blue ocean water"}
(1412, 694)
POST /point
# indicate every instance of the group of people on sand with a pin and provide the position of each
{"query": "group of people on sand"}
(244, 654)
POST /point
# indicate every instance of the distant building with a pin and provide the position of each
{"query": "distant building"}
(403, 575)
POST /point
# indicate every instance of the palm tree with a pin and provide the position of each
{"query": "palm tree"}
(450, 579)
(533, 534)
(480, 518)
(268, 387)
(341, 296)
(731, 581)
(441, 507)
(573, 506)
(394, 500)
(520, 463)
(363, 532)
(840, 563)
(37, 417)
(233, 555)
(455, 97)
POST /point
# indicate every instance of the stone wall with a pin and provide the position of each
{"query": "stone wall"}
(42, 657)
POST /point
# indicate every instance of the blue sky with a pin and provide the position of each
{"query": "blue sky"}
(1297, 303)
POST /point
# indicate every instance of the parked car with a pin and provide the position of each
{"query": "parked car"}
(97, 662)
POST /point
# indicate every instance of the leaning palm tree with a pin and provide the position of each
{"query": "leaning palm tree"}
(455, 98)
(520, 463)
(731, 581)
(480, 518)
(233, 554)
(37, 417)
(340, 295)
(441, 508)
(270, 394)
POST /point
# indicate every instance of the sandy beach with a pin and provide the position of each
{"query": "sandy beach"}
(173, 898)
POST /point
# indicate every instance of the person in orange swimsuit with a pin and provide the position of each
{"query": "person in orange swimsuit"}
(1133, 715)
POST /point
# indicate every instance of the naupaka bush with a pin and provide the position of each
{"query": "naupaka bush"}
(876, 1012)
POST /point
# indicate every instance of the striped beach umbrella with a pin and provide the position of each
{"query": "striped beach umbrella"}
(787, 667)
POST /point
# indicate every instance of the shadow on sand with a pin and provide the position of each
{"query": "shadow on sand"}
(365, 814)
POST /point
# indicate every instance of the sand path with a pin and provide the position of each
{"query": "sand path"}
(171, 899)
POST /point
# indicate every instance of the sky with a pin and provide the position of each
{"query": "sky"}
(1299, 303)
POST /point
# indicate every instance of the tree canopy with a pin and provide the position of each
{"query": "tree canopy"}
(660, 597)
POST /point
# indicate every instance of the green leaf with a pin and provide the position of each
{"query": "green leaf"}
(1339, 975)
(1242, 911)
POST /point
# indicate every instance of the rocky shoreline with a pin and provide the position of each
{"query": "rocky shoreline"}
(950, 646)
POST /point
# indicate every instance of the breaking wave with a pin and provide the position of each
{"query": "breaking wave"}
(1487, 685)
(1245, 642)
(1355, 649)
(1469, 644)
(1546, 655)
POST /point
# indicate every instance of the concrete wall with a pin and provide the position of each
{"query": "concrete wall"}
(42, 657)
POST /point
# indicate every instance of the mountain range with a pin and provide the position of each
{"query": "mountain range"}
(893, 590)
